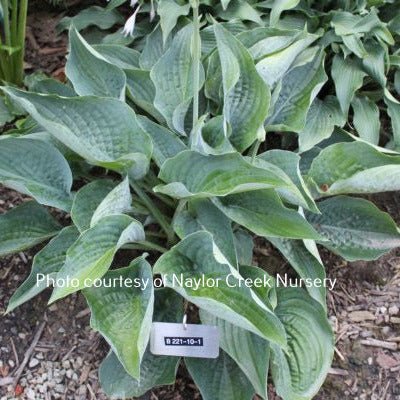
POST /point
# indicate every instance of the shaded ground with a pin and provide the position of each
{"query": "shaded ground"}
(363, 308)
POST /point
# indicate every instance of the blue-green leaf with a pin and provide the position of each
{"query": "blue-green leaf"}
(123, 314)
(246, 96)
(46, 263)
(196, 256)
(25, 226)
(92, 254)
(89, 71)
(355, 228)
(38, 169)
(104, 131)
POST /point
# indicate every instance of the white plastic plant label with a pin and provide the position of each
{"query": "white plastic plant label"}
(186, 340)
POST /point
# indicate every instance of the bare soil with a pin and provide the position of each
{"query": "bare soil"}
(363, 307)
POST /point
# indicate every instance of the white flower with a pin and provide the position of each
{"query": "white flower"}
(130, 24)
(152, 11)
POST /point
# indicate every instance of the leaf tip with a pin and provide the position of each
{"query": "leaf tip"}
(56, 295)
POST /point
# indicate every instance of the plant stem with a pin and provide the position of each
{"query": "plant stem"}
(14, 32)
(22, 15)
(152, 178)
(158, 235)
(196, 49)
(6, 24)
(6, 59)
(14, 21)
(145, 245)
(14, 27)
(254, 150)
(153, 209)
(3, 64)
(167, 201)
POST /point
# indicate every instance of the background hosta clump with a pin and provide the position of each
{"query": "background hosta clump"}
(209, 124)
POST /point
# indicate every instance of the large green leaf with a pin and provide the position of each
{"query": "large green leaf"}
(38, 169)
(208, 41)
(246, 96)
(273, 66)
(249, 351)
(197, 256)
(262, 41)
(86, 201)
(5, 113)
(210, 137)
(101, 17)
(351, 27)
(366, 119)
(25, 226)
(154, 370)
(169, 12)
(191, 174)
(92, 254)
(393, 109)
(220, 378)
(289, 162)
(121, 56)
(322, 117)
(295, 93)
(166, 144)
(355, 228)
(213, 137)
(142, 91)
(244, 245)
(354, 44)
(123, 314)
(263, 213)
(118, 201)
(307, 265)
(154, 49)
(354, 167)
(266, 291)
(52, 86)
(213, 87)
(203, 215)
(46, 263)
(299, 374)
(348, 77)
(240, 10)
(172, 78)
(397, 81)
(374, 62)
(278, 7)
(90, 73)
(103, 131)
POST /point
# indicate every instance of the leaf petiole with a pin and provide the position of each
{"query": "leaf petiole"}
(146, 245)
(154, 210)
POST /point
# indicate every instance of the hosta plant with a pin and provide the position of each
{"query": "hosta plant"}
(162, 152)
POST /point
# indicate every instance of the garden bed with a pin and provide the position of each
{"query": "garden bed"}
(52, 353)
(364, 308)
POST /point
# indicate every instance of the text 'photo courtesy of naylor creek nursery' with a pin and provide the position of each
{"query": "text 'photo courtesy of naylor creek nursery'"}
(200, 199)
